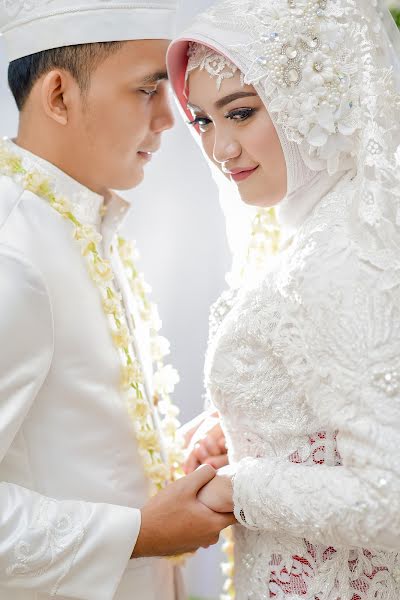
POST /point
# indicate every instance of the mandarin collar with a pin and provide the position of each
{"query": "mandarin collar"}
(115, 211)
(87, 205)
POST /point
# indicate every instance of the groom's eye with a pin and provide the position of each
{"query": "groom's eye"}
(149, 91)
(201, 122)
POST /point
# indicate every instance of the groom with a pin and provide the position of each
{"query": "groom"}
(76, 467)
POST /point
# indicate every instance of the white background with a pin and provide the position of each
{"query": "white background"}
(179, 227)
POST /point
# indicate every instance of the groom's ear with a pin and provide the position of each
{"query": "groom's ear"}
(79, 61)
(58, 91)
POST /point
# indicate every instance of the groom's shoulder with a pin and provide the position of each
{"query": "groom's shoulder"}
(12, 256)
(21, 280)
(22, 224)
(23, 215)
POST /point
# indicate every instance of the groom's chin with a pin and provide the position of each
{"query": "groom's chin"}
(131, 178)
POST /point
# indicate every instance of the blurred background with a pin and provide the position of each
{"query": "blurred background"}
(180, 230)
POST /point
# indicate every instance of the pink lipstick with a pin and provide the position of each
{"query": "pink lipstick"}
(239, 175)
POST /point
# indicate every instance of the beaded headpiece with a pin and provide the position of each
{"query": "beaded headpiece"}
(308, 69)
(204, 58)
(301, 57)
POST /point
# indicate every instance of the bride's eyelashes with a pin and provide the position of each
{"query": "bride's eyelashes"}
(238, 115)
(201, 122)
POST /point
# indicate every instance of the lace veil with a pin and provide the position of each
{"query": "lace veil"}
(328, 72)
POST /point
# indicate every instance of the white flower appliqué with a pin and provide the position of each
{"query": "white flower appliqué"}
(302, 58)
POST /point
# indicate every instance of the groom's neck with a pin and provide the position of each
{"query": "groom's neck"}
(43, 139)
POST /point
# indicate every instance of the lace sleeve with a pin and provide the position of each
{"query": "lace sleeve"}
(349, 344)
(50, 546)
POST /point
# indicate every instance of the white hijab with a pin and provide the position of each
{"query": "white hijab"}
(326, 71)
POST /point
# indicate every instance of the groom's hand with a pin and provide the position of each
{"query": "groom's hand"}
(176, 522)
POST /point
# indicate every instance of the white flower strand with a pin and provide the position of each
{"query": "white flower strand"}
(165, 377)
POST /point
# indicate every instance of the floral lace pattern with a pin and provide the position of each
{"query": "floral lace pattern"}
(216, 65)
(54, 532)
(363, 568)
(303, 352)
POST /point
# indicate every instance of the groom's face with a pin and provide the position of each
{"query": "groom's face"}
(119, 122)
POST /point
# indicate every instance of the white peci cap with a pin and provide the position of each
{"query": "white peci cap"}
(30, 26)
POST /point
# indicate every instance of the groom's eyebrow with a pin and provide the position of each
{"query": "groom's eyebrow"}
(155, 78)
(235, 96)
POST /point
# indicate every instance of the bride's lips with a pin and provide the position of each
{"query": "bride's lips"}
(242, 174)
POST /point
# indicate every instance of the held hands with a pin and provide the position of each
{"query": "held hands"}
(205, 443)
(217, 495)
(176, 521)
(191, 512)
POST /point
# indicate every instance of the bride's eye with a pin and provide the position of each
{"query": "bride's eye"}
(201, 122)
(240, 114)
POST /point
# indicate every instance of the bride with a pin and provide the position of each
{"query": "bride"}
(295, 102)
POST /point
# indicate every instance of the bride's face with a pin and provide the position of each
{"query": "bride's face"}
(239, 137)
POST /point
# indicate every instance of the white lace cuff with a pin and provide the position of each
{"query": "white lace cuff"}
(244, 500)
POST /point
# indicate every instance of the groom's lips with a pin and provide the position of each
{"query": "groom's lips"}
(147, 156)
(147, 153)
(242, 174)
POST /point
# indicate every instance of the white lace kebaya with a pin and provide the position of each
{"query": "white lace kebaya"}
(305, 368)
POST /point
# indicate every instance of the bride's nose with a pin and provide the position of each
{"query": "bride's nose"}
(225, 149)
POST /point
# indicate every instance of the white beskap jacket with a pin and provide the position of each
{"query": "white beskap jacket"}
(71, 478)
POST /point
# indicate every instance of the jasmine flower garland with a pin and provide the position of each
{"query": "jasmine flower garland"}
(162, 455)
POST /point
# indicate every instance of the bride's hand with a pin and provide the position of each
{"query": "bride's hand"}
(218, 493)
(207, 445)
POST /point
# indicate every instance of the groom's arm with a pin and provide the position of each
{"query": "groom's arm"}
(67, 548)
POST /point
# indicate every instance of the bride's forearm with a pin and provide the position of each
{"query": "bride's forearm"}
(331, 505)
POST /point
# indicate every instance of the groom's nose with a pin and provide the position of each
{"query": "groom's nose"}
(163, 117)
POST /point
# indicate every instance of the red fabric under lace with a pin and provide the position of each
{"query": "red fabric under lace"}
(302, 572)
